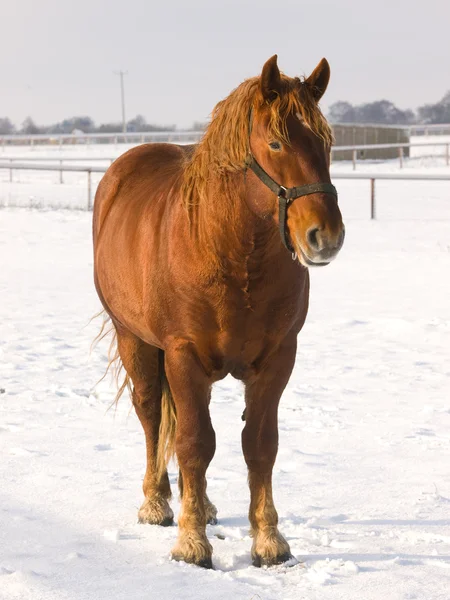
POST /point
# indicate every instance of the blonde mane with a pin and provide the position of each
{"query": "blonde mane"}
(225, 144)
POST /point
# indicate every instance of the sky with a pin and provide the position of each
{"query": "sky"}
(58, 58)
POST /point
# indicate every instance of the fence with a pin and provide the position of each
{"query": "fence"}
(435, 129)
(357, 153)
(88, 138)
(60, 168)
(367, 147)
(372, 177)
(185, 136)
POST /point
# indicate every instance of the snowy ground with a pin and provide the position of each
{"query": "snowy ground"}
(362, 480)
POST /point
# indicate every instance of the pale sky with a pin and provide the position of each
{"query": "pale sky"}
(58, 57)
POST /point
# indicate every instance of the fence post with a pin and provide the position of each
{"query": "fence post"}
(354, 159)
(447, 154)
(61, 180)
(400, 156)
(372, 199)
(89, 207)
(10, 171)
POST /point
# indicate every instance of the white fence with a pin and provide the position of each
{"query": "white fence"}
(372, 177)
(335, 150)
(71, 168)
(401, 147)
(186, 137)
(439, 129)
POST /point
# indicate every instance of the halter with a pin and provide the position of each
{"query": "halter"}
(285, 195)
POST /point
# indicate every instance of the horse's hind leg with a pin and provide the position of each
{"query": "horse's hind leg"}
(143, 363)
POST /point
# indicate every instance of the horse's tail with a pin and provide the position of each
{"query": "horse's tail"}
(114, 362)
(167, 427)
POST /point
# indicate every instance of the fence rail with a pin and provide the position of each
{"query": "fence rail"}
(400, 146)
(334, 150)
(184, 136)
(60, 168)
(115, 138)
(372, 177)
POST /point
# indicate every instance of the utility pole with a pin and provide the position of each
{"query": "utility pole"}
(122, 94)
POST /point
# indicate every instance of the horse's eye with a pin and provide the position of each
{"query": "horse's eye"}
(275, 146)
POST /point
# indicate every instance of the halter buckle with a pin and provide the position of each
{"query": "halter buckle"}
(282, 193)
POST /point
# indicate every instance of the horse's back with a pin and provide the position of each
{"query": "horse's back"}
(138, 177)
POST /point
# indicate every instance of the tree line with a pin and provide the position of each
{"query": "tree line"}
(77, 124)
(381, 111)
(385, 112)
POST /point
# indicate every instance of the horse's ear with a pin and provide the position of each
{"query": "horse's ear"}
(270, 79)
(319, 78)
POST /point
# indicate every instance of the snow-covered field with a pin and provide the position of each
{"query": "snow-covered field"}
(362, 480)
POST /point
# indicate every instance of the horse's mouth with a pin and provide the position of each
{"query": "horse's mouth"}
(307, 262)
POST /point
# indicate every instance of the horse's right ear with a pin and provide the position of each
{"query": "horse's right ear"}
(270, 79)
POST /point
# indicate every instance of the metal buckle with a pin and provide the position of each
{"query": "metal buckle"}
(282, 193)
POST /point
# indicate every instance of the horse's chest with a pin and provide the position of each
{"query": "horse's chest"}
(252, 320)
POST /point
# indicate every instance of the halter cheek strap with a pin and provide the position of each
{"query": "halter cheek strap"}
(287, 195)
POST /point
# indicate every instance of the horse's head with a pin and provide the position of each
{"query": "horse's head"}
(290, 142)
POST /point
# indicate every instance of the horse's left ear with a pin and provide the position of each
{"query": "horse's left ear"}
(319, 78)
(270, 79)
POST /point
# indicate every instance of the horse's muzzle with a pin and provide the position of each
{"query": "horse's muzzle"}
(320, 247)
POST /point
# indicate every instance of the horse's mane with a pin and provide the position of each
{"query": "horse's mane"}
(225, 144)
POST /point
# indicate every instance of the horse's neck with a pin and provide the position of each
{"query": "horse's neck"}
(228, 227)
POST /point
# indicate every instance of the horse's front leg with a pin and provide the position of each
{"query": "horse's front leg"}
(260, 446)
(195, 445)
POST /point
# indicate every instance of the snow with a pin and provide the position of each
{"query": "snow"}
(361, 482)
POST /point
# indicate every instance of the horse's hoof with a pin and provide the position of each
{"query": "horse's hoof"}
(260, 561)
(205, 563)
(166, 522)
(156, 512)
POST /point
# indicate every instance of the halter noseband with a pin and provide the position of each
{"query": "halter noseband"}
(285, 195)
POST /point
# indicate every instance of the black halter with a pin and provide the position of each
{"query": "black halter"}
(285, 195)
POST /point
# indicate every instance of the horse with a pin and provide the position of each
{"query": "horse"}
(201, 262)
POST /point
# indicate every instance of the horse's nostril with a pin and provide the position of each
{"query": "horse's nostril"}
(313, 238)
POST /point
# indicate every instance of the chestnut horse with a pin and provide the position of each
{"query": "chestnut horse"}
(201, 262)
